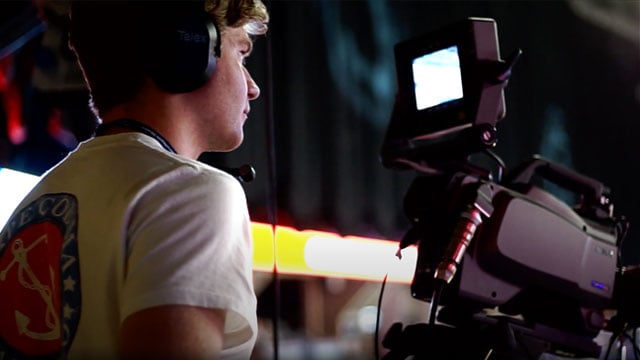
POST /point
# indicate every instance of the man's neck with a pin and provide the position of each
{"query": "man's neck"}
(164, 115)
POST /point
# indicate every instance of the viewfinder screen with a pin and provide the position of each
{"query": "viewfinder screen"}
(437, 78)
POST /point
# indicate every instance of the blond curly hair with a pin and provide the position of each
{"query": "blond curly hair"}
(250, 14)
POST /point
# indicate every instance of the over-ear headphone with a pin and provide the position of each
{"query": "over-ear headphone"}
(181, 52)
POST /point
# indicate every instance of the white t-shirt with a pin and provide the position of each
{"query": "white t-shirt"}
(119, 226)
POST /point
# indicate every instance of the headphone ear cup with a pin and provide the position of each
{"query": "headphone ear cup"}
(183, 51)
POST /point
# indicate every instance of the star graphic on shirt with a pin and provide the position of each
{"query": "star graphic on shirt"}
(69, 284)
(68, 311)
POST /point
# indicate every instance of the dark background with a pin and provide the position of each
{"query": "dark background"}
(327, 74)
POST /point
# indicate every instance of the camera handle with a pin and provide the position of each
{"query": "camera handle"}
(595, 195)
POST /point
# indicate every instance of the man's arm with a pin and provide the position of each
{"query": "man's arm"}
(172, 332)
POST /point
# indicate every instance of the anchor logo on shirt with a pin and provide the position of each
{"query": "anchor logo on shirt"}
(40, 279)
(29, 280)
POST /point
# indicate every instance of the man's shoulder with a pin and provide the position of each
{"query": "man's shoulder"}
(187, 173)
(135, 152)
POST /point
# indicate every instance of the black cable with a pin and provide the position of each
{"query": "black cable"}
(376, 336)
(612, 340)
(634, 338)
(438, 286)
(622, 229)
(501, 164)
(272, 206)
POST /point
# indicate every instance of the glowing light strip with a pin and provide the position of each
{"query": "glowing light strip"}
(298, 252)
(317, 253)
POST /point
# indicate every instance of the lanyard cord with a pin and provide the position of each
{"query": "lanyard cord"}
(244, 173)
(130, 124)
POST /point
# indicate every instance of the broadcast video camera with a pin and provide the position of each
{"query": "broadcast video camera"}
(504, 263)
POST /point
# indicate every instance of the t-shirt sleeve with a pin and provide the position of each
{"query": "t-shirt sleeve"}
(189, 243)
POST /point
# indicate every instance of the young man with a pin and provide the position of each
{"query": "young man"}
(129, 247)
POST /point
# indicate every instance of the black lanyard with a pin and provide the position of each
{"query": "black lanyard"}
(244, 173)
(102, 129)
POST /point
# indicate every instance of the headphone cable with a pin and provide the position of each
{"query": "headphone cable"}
(272, 206)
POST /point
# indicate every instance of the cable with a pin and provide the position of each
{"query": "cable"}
(634, 338)
(272, 205)
(438, 287)
(376, 336)
(622, 229)
(501, 164)
(612, 340)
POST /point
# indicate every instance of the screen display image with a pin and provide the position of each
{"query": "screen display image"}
(437, 78)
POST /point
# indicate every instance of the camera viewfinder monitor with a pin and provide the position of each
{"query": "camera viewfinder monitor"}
(444, 80)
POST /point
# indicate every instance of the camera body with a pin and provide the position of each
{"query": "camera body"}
(533, 256)
(507, 245)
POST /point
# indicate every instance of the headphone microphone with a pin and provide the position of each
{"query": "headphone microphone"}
(244, 173)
